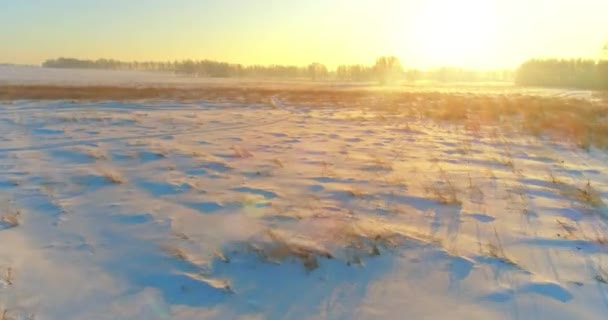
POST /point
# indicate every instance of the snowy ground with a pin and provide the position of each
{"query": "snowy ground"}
(34, 75)
(224, 210)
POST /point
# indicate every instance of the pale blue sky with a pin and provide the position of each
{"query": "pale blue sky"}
(425, 33)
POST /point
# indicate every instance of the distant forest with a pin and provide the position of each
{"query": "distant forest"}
(573, 73)
(565, 73)
(385, 70)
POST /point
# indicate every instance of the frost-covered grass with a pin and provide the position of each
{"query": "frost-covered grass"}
(342, 204)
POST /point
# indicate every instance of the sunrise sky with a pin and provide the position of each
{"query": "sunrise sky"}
(422, 33)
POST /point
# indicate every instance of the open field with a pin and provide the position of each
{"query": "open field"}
(307, 202)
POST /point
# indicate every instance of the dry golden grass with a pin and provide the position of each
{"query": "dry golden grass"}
(444, 191)
(54, 92)
(580, 121)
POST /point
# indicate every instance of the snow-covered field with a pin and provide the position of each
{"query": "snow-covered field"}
(157, 209)
(34, 75)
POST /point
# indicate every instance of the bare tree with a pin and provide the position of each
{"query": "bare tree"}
(387, 69)
(412, 75)
(317, 71)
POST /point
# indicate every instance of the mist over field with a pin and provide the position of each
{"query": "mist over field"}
(303, 160)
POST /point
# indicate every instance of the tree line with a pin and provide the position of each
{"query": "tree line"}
(199, 68)
(566, 73)
(386, 70)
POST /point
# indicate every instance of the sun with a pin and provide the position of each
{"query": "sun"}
(451, 32)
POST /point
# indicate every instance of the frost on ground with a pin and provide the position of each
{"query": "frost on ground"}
(288, 210)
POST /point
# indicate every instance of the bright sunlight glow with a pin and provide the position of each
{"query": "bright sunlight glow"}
(479, 34)
(455, 32)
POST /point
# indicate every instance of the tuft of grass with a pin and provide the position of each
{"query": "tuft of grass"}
(5, 314)
(601, 240)
(94, 153)
(326, 169)
(570, 230)
(355, 192)
(220, 255)
(381, 163)
(554, 179)
(181, 236)
(476, 194)
(445, 192)
(241, 152)
(368, 238)
(601, 276)
(8, 276)
(588, 195)
(507, 162)
(220, 284)
(48, 188)
(10, 218)
(198, 154)
(176, 253)
(580, 121)
(278, 163)
(497, 251)
(360, 245)
(452, 108)
(14, 182)
(278, 248)
(113, 176)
